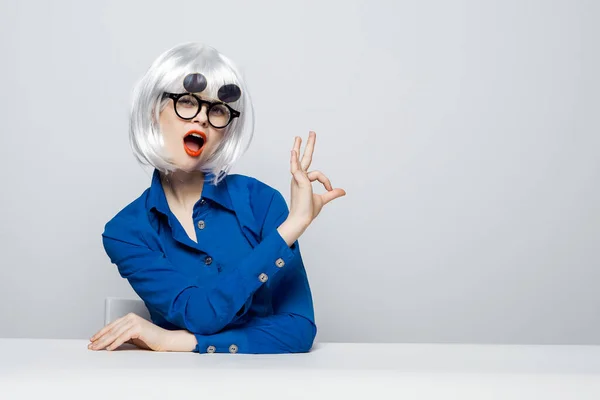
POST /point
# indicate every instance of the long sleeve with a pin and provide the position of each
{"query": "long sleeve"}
(291, 328)
(182, 300)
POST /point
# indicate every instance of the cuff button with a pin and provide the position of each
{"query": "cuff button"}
(233, 348)
(211, 349)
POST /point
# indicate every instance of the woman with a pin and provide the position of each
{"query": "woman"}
(214, 256)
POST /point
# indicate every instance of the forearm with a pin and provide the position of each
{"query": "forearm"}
(290, 329)
(272, 334)
(230, 295)
(291, 230)
(274, 254)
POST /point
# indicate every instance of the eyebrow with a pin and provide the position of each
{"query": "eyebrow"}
(207, 99)
(197, 95)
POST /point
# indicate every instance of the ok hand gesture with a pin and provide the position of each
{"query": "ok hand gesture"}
(306, 205)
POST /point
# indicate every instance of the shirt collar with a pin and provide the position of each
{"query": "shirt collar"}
(233, 192)
(217, 193)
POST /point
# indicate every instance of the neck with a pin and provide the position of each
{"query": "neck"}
(185, 188)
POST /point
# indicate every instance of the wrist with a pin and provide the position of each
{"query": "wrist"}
(291, 229)
(181, 340)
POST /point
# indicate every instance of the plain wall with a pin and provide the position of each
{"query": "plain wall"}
(465, 133)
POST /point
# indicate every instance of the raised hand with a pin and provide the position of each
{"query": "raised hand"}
(306, 205)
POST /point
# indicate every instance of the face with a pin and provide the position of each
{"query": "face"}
(182, 137)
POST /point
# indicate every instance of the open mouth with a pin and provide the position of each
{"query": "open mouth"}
(193, 142)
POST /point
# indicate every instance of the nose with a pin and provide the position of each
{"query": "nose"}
(201, 117)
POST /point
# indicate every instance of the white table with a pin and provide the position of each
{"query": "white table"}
(30, 368)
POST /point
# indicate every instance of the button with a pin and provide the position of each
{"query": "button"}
(280, 263)
(202, 202)
(211, 349)
(233, 348)
(201, 224)
(208, 260)
(263, 277)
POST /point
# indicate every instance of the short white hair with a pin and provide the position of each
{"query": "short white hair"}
(166, 74)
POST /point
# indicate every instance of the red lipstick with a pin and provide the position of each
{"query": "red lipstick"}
(194, 142)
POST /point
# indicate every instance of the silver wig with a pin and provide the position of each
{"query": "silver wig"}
(166, 74)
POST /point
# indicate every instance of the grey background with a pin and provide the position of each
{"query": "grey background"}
(465, 133)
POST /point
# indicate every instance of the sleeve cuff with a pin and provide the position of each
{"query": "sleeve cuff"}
(228, 341)
(277, 255)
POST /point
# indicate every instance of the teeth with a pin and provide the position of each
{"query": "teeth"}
(197, 135)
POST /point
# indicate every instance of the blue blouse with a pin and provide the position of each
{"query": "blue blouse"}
(240, 288)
